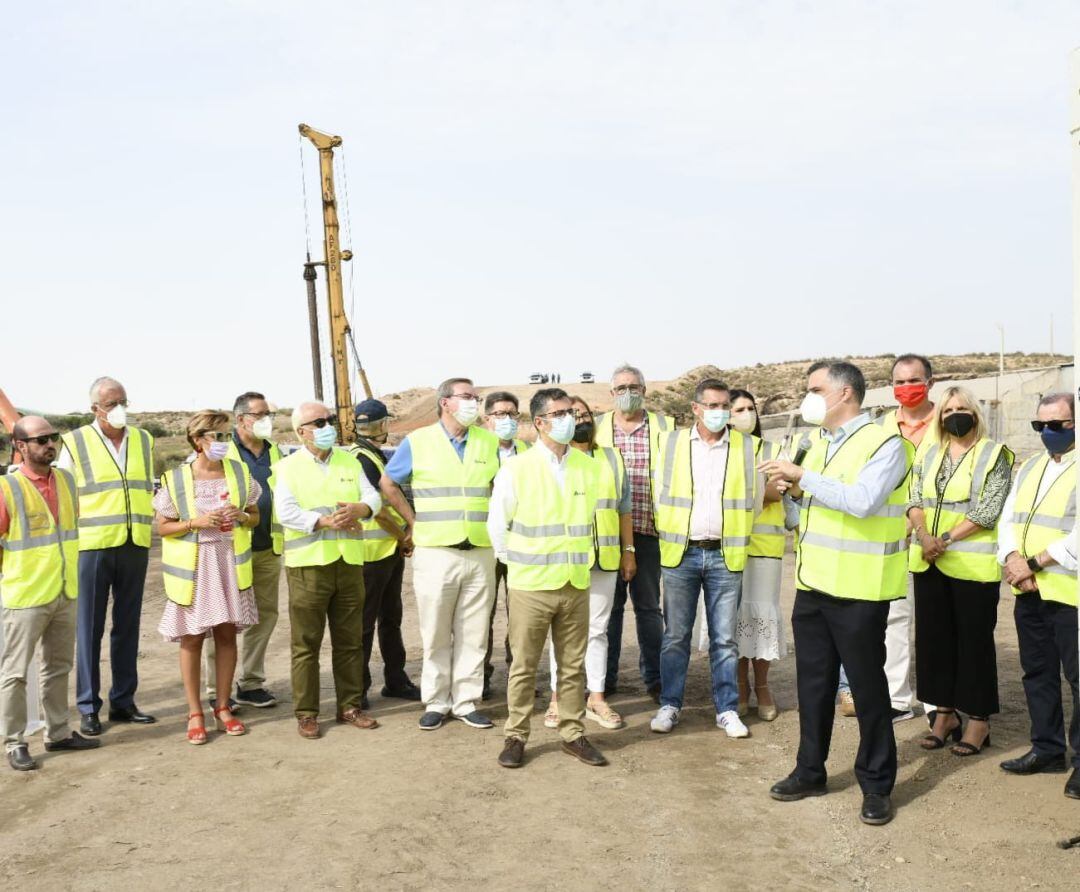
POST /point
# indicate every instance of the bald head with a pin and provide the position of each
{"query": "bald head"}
(31, 426)
(37, 455)
(307, 412)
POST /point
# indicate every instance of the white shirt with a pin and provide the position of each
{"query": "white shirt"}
(506, 452)
(503, 503)
(708, 467)
(67, 460)
(1062, 550)
(292, 516)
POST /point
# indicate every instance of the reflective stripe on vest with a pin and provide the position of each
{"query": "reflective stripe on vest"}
(609, 493)
(1044, 521)
(451, 495)
(41, 553)
(378, 543)
(675, 499)
(850, 557)
(319, 490)
(180, 553)
(550, 542)
(975, 557)
(768, 536)
(112, 503)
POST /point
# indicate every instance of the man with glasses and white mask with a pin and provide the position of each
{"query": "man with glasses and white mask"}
(450, 465)
(636, 434)
(113, 464)
(322, 496)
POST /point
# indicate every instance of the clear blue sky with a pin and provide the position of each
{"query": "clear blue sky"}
(533, 185)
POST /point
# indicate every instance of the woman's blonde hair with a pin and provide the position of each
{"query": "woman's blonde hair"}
(968, 402)
(203, 421)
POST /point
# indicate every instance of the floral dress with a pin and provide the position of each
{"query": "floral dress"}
(218, 598)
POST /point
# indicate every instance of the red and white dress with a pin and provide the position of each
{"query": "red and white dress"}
(218, 598)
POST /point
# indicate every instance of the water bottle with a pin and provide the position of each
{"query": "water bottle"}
(226, 527)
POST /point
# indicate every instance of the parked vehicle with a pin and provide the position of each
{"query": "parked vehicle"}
(587, 378)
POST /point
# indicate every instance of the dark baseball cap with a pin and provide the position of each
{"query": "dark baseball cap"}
(371, 410)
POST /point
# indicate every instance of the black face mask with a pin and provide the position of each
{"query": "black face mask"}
(959, 424)
(583, 432)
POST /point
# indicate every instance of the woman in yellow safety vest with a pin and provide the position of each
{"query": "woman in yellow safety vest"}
(613, 531)
(958, 489)
(759, 630)
(206, 509)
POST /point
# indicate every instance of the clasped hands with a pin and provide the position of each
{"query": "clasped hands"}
(347, 517)
(219, 517)
(1017, 573)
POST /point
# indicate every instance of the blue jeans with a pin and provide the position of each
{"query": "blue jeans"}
(844, 687)
(700, 570)
(644, 592)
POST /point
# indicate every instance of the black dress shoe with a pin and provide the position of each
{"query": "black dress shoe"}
(90, 724)
(130, 714)
(513, 753)
(876, 808)
(793, 788)
(1032, 763)
(1072, 785)
(75, 742)
(584, 751)
(407, 691)
(19, 758)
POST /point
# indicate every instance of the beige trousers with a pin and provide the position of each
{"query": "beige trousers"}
(565, 612)
(52, 624)
(454, 592)
(266, 580)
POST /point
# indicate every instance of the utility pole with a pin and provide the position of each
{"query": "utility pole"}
(339, 325)
(313, 326)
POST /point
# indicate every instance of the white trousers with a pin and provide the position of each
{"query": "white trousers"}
(601, 600)
(898, 651)
(454, 593)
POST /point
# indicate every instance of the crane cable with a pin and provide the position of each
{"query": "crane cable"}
(344, 167)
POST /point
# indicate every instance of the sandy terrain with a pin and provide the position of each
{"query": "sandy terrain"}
(399, 809)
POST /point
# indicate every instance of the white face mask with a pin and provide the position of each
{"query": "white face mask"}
(117, 417)
(506, 428)
(562, 429)
(263, 428)
(813, 409)
(715, 420)
(744, 422)
(217, 451)
(466, 412)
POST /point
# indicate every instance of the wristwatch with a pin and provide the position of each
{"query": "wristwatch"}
(946, 537)
(629, 548)
(1033, 564)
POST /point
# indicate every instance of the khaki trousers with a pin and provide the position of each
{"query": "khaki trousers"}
(52, 624)
(454, 590)
(266, 579)
(565, 612)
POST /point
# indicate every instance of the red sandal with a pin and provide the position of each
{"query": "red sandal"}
(232, 727)
(197, 736)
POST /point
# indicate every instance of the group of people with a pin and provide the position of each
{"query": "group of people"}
(599, 510)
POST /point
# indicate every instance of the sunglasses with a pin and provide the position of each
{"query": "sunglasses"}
(1038, 426)
(320, 422)
(42, 440)
(217, 436)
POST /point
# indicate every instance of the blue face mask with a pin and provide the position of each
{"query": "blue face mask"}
(506, 428)
(1058, 442)
(562, 429)
(324, 437)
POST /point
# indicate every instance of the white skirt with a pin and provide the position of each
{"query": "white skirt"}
(759, 632)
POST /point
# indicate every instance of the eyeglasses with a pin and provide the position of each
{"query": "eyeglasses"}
(258, 416)
(320, 422)
(558, 413)
(218, 436)
(582, 416)
(715, 405)
(628, 388)
(112, 404)
(1038, 426)
(42, 440)
(514, 415)
(464, 396)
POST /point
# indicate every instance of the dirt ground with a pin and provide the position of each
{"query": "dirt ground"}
(395, 808)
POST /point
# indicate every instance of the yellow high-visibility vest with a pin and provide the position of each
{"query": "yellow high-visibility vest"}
(180, 553)
(320, 492)
(112, 504)
(1039, 522)
(611, 472)
(862, 558)
(658, 424)
(277, 532)
(41, 555)
(768, 535)
(378, 543)
(973, 558)
(674, 500)
(550, 543)
(451, 496)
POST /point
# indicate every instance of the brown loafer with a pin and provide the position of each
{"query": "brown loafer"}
(585, 751)
(357, 719)
(307, 726)
(513, 753)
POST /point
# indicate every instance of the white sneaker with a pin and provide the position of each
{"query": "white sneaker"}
(666, 719)
(731, 723)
